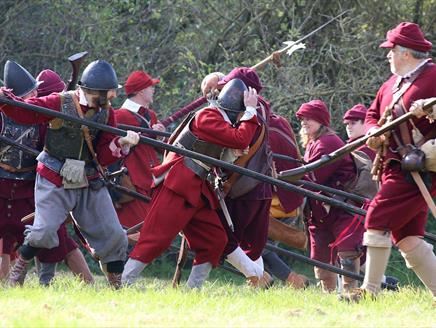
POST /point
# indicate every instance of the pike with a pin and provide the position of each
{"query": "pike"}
(109, 184)
(75, 61)
(298, 173)
(144, 130)
(192, 154)
(350, 196)
(291, 46)
(184, 152)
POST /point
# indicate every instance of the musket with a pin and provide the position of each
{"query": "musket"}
(299, 172)
(108, 183)
(291, 44)
(75, 61)
(288, 158)
(313, 185)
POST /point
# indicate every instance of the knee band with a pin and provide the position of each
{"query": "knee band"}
(417, 255)
(115, 267)
(377, 238)
(28, 252)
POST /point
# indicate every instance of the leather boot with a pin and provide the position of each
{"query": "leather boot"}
(18, 272)
(297, 281)
(114, 280)
(263, 283)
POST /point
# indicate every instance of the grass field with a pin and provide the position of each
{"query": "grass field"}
(221, 303)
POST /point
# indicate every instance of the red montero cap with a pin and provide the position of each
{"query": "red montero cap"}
(358, 112)
(315, 110)
(246, 74)
(139, 80)
(50, 82)
(408, 35)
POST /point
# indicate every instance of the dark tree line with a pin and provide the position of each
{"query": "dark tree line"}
(181, 41)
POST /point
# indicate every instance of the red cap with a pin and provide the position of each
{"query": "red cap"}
(358, 112)
(408, 35)
(246, 74)
(137, 81)
(315, 110)
(50, 82)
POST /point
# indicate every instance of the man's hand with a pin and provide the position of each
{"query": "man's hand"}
(417, 109)
(250, 97)
(375, 142)
(131, 139)
(210, 83)
(158, 127)
(250, 102)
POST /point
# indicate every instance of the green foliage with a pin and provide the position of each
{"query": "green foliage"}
(181, 41)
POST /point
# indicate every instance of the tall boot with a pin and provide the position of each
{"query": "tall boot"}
(18, 272)
(198, 275)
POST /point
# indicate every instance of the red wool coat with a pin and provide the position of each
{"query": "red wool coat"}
(139, 162)
(399, 206)
(184, 202)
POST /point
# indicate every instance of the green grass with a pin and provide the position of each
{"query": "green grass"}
(221, 303)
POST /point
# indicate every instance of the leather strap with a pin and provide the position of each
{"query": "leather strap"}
(243, 160)
(406, 140)
(87, 135)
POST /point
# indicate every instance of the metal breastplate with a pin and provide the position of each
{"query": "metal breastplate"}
(65, 139)
(27, 135)
(186, 139)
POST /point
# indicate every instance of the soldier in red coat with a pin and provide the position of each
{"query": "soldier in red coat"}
(398, 212)
(183, 199)
(248, 200)
(67, 177)
(136, 111)
(332, 230)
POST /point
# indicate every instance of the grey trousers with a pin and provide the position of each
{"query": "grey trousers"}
(93, 212)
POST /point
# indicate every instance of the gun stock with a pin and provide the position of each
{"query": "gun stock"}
(75, 61)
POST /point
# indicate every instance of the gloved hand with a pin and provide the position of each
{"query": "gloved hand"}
(131, 139)
(73, 170)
